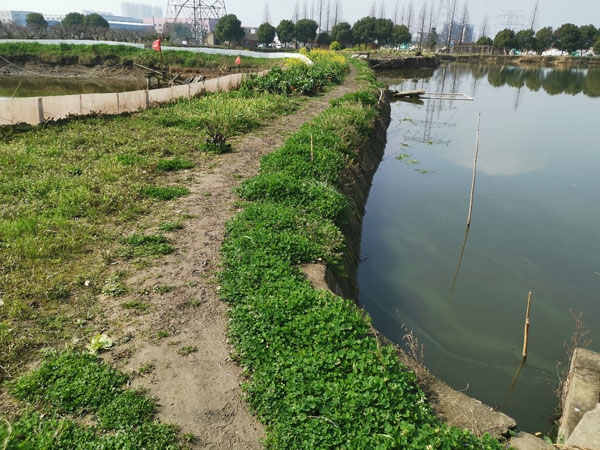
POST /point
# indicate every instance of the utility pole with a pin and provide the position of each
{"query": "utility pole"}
(534, 15)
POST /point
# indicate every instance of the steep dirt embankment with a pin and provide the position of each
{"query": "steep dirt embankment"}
(404, 63)
(357, 184)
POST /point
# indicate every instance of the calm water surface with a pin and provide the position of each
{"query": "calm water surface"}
(535, 227)
(33, 86)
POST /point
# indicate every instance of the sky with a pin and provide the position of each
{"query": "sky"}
(515, 13)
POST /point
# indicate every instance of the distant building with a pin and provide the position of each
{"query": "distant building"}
(16, 17)
(141, 10)
(460, 34)
(115, 22)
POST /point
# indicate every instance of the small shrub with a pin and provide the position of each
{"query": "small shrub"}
(216, 142)
(114, 286)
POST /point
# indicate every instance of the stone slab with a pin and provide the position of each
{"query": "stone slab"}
(587, 432)
(526, 441)
(582, 390)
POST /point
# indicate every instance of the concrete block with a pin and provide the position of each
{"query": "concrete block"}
(582, 390)
(587, 432)
(459, 410)
(132, 101)
(100, 103)
(526, 441)
(61, 106)
(181, 91)
(162, 95)
(16, 110)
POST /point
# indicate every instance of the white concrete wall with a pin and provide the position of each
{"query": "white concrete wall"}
(36, 110)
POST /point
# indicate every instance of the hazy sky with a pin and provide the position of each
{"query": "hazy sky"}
(500, 13)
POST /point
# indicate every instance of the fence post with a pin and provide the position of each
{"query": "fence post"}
(40, 110)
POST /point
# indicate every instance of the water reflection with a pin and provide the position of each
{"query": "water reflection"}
(34, 86)
(551, 81)
(536, 227)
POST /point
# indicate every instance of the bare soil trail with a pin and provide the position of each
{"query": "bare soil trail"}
(177, 348)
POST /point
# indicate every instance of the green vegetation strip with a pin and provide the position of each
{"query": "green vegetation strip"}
(315, 375)
(114, 55)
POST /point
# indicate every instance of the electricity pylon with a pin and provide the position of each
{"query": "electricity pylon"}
(195, 14)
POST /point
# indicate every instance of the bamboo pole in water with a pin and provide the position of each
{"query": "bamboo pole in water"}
(474, 171)
(526, 333)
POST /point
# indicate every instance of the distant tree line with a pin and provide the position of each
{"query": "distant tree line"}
(568, 38)
(372, 31)
(404, 27)
(368, 30)
(73, 26)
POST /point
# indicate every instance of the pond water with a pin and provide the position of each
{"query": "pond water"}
(535, 227)
(33, 86)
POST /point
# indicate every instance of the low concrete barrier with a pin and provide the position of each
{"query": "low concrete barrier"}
(37, 110)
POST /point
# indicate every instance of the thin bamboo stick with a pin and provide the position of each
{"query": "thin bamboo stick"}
(474, 171)
(526, 333)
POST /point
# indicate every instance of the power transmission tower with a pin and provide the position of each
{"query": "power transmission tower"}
(512, 20)
(196, 14)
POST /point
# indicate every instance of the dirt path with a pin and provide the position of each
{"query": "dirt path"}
(178, 348)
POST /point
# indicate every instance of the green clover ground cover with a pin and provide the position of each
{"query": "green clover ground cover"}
(71, 385)
(315, 375)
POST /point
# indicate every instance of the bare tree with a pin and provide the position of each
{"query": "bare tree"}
(484, 26)
(409, 15)
(451, 14)
(296, 15)
(305, 10)
(372, 11)
(395, 13)
(337, 12)
(320, 10)
(422, 17)
(382, 10)
(464, 23)
(433, 16)
(402, 13)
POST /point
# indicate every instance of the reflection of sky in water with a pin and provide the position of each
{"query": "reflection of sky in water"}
(536, 226)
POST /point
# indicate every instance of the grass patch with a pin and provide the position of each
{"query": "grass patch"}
(148, 245)
(136, 305)
(171, 226)
(173, 165)
(71, 384)
(187, 350)
(162, 289)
